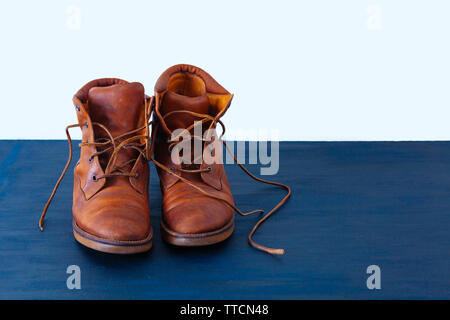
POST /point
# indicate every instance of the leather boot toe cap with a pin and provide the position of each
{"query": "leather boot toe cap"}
(115, 224)
(198, 215)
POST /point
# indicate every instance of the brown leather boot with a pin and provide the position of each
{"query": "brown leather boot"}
(110, 194)
(197, 205)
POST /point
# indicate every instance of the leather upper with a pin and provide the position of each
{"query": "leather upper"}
(185, 209)
(114, 207)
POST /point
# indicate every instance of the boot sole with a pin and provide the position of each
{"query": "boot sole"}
(112, 246)
(196, 239)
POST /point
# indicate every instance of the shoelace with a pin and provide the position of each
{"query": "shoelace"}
(116, 170)
(205, 118)
(110, 143)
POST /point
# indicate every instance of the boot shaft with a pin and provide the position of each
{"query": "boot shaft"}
(185, 94)
(109, 109)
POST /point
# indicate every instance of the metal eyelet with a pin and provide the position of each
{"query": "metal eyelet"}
(209, 169)
(137, 176)
(87, 124)
(90, 159)
(172, 168)
(94, 178)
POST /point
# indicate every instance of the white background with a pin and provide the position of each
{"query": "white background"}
(307, 70)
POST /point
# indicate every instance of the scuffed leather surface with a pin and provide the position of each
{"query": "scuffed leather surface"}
(113, 208)
(185, 209)
(211, 85)
(87, 169)
(117, 212)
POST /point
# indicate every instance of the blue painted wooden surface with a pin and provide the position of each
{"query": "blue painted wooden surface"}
(353, 205)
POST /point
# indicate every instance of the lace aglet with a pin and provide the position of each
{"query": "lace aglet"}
(41, 222)
(277, 251)
(265, 249)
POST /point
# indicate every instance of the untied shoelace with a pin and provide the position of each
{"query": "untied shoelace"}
(116, 170)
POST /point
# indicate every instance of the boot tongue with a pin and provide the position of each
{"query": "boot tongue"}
(174, 102)
(119, 108)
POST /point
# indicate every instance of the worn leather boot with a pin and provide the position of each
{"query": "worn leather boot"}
(110, 194)
(197, 204)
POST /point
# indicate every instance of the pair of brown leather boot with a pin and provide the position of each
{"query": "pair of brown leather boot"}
(110, 195)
